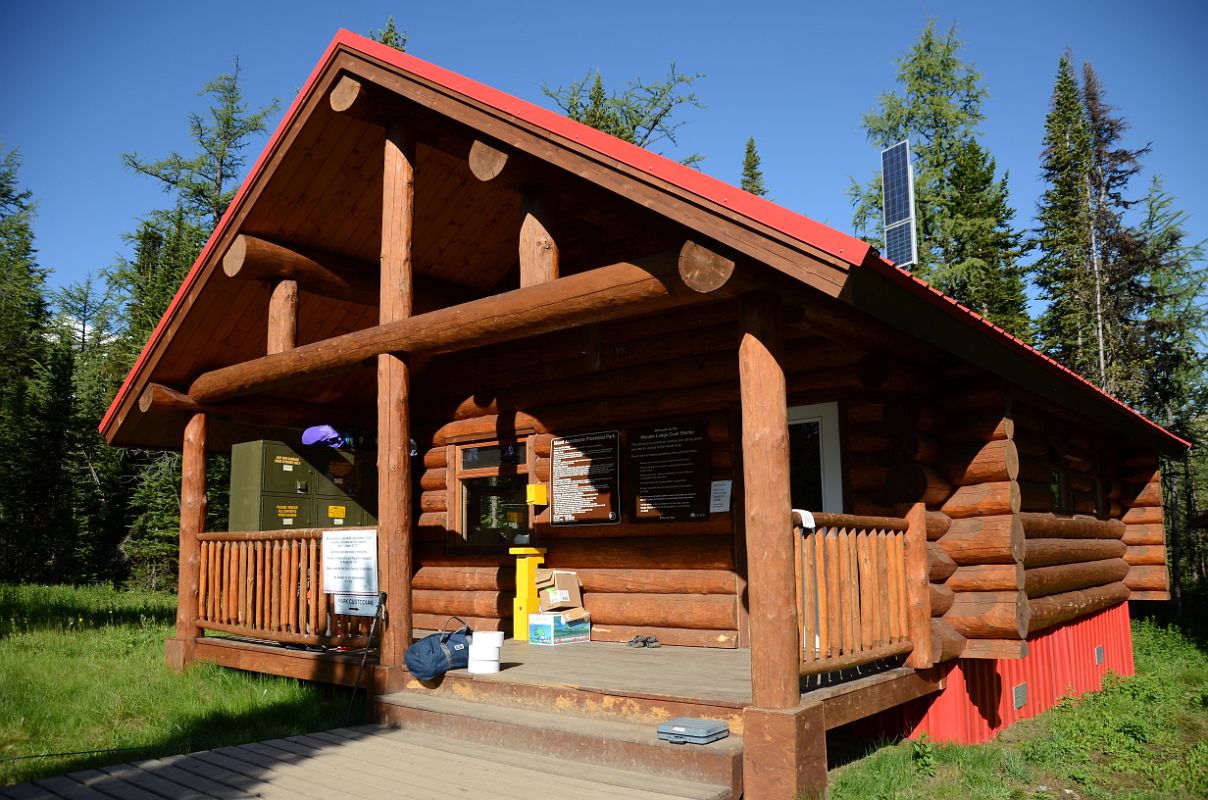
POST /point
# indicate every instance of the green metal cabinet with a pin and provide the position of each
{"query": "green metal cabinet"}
(276, 486)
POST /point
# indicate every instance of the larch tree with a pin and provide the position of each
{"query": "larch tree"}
(205, 182)
(752, 172)
(938, 112)
(390, 36)
(641, 113)
(166, 244)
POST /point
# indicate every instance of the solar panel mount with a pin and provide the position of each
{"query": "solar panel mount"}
(897, 200)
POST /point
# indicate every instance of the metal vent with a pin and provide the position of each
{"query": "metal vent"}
(1099, 656)
(1020, 694)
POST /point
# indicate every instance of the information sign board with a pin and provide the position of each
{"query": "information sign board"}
(584, 477)
(670, 469)
(350, 564)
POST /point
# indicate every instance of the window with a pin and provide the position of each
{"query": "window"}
(492, 511)
(815, 472)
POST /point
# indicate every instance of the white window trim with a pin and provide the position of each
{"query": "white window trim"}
(827, 417)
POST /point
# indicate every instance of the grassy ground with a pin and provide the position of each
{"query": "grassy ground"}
(83, 669)
(1142, 738)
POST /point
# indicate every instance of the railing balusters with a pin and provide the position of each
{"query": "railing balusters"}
(851, 592)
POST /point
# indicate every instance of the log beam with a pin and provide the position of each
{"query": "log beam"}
(1058, 608)
(539, 258)
(159, 399)
(181, 650)
(394, 402)
(775, 649)
(253, 258)
(283, 317)
(601, 294)
(919, 598)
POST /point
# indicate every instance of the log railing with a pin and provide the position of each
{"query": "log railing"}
(852, 604)
(269, 585)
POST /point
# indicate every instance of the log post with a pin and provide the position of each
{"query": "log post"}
(918, 601)
(775, 649)
(394, 423)
(283, 317)
(538, 249)
(179, 651)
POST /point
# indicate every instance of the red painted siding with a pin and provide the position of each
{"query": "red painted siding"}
(978, 700)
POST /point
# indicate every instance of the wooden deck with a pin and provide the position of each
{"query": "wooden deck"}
(365, 762)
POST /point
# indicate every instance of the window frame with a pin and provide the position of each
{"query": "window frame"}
(455, 524)
(830, 449)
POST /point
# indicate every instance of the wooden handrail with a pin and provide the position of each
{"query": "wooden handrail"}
(853, 521)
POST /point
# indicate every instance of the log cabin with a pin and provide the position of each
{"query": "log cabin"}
(424, 258)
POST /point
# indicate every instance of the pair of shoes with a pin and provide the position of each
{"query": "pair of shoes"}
(643, 641)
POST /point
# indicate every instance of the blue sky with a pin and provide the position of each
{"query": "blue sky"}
(89, 81)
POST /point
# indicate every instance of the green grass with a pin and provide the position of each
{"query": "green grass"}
(1141, 738)
(83, 669)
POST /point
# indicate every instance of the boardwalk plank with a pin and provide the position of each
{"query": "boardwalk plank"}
(153, 782)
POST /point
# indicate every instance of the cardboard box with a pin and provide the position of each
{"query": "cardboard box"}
(557, 590)
(555, 629)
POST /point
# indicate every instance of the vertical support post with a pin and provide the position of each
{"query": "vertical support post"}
(775, 649)
(528, 559)
(394, 412)
(180, 651)
(283, 317)
(918, 588)
(539, 259)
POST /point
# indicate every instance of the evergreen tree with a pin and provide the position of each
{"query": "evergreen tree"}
(641, 113)
(938, 111)
(1063, 235)
(979, 245)
(205, 183)
(967, 245)
(752, 175)
(36, 539)
(390, 36)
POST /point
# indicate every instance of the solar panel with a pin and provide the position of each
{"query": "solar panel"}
(897, 185)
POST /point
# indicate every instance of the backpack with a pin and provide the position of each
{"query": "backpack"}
(433, 656)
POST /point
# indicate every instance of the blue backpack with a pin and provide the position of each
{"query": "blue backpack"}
(433, 656)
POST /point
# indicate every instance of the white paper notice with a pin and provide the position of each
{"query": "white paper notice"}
(719, 496)
(350, 562)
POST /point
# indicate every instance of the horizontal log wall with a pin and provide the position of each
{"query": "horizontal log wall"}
(679, 581)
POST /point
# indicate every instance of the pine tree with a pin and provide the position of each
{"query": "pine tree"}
(390, 36)
(1064, 231)
(752, 175)
(642, 113)
(979, 245)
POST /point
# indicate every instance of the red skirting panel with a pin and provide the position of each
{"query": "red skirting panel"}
(979, 699)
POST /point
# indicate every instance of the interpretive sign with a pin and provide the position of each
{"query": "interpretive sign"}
(584, 473)
(670, 469)
(350, 562)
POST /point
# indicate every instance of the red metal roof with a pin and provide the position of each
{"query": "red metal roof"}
(840, 245)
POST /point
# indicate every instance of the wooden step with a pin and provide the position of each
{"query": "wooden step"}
(627, 706)
(570, 737)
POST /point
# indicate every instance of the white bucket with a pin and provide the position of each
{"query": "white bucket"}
(493, 638)
(477, 667)
(483, 651)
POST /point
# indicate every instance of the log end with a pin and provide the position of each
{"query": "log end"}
(702, 269)
(347, 92)
(236, 256)
(487, 161)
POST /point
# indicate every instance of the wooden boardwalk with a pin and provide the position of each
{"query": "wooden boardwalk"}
(366, 762)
